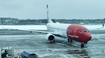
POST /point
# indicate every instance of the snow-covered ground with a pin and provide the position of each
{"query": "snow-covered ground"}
(61, 49)
(24, 27)
(96, 47)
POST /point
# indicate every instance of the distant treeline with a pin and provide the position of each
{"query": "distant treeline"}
(15, 21)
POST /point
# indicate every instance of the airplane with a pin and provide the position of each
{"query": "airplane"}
(75, 32)
(72, 32)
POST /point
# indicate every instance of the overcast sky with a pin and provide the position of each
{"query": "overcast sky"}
(59, 9)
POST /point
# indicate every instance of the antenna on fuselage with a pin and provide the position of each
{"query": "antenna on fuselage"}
(49, 20)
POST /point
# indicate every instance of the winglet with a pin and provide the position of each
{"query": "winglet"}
(49, 20)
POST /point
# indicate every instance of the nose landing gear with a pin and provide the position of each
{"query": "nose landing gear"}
(82, 44)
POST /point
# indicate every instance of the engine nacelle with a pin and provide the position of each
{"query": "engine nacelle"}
(50, 37)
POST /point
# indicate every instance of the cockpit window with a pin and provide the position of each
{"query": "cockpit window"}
(88, 31)
(84, 31)
(81, 31)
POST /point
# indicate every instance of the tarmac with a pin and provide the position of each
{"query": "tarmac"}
(36, 43)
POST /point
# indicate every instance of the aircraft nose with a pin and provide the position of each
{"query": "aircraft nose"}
(88, 36)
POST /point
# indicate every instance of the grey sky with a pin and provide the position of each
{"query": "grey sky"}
(61, 9)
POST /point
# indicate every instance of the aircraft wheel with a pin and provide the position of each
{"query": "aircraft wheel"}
(85, 42)
(68, 40)
(82, 45)
(71, 40)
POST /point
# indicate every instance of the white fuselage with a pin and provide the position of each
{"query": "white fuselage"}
(58, 28)
(62, 28)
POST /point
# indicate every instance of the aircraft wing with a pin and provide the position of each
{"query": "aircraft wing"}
(48, 32)
(95, 29)
(36, 29)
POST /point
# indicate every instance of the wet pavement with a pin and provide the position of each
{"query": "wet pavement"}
(36, 43)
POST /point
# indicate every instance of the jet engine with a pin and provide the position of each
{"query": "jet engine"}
(50, 37)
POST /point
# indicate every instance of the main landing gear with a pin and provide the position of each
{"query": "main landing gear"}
(82, 45)
(70, 40)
